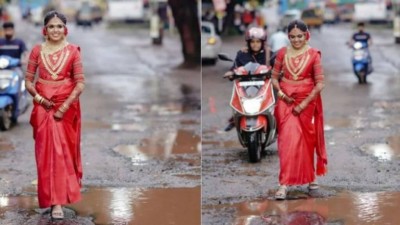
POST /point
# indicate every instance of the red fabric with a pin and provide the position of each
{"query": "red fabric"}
(300, 137)
(57, 143)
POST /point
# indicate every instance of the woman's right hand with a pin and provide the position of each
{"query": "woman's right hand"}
(47, 104)
(288, 100)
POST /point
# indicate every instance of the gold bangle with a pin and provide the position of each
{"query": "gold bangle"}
(41, 100)
(281, 94)
(62, 108)
(38, 98)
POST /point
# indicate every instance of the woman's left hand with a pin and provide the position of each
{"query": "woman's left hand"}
(58, 115)
(297, 110)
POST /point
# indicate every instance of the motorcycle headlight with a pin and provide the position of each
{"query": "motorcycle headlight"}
(212, 41)
(357, 45)
(4, 63)
(253, 105)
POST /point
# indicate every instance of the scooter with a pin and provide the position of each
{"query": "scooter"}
(13, 94)
(361, 60)
(253, 103)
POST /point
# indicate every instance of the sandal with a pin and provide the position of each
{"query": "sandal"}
(56, 214)
(313, 185)
(281, 193)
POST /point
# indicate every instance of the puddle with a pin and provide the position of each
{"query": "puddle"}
(190, 122)
(161, 145)
(345, 208)
(190, 177)
(384, 151)
(130, 206)
(128, 127)
(168, 108)
(333, 123)
(90, 124)
(5, 146)
(223, 144)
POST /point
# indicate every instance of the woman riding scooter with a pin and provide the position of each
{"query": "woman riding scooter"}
(255, 41)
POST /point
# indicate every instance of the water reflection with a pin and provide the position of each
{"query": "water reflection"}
(161, 145)
(223, 144)
(128, 127)
(384, 151)
(347, 208)
(6, 144)
(164, 109)
(128, 206)
(332, 123)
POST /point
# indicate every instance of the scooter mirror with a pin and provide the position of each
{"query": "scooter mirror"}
(224, 57)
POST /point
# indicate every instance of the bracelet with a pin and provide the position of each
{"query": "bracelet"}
(281, 94)
(38, 98)
(62, 108)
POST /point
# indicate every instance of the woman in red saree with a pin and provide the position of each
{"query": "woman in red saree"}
(299, 111)
(56, 117)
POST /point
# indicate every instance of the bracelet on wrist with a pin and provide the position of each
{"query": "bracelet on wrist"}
(62, 108)
(38, 98)
(281, 95)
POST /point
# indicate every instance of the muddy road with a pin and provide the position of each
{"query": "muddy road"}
(140, 135)
(362, 132)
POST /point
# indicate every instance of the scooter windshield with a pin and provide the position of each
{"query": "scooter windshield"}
(251, 67)
(254, 84)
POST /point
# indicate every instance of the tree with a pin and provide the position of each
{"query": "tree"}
(186, 20)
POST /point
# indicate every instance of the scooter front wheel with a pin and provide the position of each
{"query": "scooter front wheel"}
(5, 119)
(254, 146)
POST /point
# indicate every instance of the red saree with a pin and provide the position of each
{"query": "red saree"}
(57, 143)
(300, 137)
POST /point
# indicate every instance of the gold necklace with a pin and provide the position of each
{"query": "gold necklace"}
(50, 49)
(295, 52)
(292, 53)
(55, 69)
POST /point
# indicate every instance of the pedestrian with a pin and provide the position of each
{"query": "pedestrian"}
(56, 116)
(278, 40)
(299, 112)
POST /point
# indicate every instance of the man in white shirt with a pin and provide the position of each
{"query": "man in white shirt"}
(278, 40)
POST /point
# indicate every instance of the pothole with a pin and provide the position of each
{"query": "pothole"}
(384, 151)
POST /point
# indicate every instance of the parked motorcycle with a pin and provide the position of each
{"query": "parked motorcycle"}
(13, 95)
(253, 103)
(361, 60)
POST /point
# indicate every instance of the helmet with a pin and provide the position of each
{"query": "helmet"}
(255, 33)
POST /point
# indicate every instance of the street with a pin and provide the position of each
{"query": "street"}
(362, 133)
(140, 134)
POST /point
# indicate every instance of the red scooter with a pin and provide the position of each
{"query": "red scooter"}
(253, 103)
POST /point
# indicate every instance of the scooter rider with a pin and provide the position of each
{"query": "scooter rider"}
(255, 40)
(361, 35)
(11, 46)
(364, 37)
